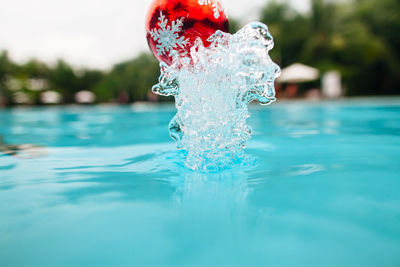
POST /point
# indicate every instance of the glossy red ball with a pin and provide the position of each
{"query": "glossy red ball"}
(172, 26)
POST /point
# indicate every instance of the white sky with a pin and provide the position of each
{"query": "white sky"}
(88, 32)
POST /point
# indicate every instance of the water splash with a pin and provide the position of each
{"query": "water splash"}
(213, 87)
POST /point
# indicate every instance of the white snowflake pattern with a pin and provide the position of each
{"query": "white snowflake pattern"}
(215, 5)
(167, 36)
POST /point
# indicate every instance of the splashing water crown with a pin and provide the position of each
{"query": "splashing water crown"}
(212, 87)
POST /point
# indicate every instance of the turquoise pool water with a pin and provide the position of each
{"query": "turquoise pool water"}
(320, 187)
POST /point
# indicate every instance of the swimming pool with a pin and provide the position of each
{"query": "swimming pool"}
(107, 187)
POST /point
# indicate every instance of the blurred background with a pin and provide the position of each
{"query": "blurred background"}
(63, 52)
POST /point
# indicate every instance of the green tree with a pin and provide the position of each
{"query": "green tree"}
(382, 20)
(34, 69)
(289, 30)
(64, 80)
(234, 25)
(88, 79)
(7, 67)
(134, 77)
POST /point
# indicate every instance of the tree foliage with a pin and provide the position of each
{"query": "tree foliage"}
(359, 38)
(134, 78)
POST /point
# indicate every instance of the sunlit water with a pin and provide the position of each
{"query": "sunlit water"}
(320, 186)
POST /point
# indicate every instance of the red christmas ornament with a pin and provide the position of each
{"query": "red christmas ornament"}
(172, 26)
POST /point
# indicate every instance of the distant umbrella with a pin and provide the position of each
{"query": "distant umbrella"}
(50, 97)
(298, 73)
(85, 97)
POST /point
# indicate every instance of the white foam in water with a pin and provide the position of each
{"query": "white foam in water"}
(213, 87)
